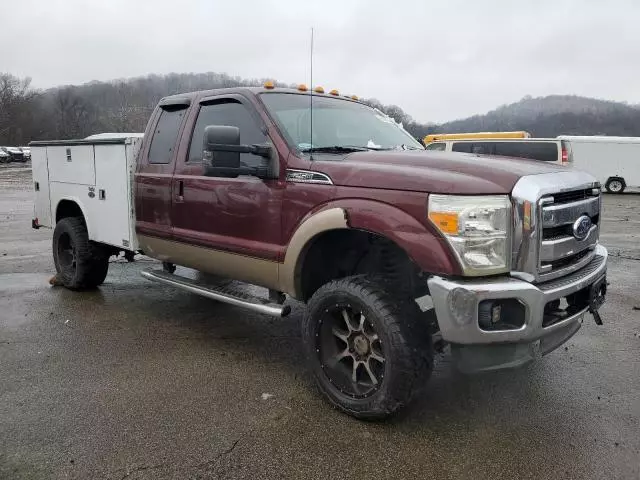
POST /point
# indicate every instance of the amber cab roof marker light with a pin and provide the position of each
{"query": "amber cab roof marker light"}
(269, 85)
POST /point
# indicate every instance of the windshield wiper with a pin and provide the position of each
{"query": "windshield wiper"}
(335, 149)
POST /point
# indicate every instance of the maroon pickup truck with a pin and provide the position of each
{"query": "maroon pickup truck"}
(398, 252)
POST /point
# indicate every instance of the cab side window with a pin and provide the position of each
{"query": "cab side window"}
(545, 151)
(440, 146)
(165, 135)
(482, 148)
(230, 113)
(464, 147)
(479, 148)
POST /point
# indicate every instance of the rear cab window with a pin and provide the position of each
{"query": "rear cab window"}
(165, 134)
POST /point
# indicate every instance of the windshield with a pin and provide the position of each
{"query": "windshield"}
(337, 124)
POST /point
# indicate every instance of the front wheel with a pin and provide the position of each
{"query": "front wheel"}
(79, 263)
(365, 347)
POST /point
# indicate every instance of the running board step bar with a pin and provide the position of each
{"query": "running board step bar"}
(239, 299)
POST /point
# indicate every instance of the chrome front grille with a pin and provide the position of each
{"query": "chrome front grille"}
(546, 207)
(562, 253)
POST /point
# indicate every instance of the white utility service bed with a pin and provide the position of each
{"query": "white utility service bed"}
(97, 174)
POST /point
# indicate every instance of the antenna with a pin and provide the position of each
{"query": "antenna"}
(311, 97)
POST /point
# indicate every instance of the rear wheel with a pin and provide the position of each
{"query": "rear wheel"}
(100, 268)
(615, 185)
(79, 263)
(365, 348)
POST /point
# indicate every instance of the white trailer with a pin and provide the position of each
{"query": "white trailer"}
(614, 161)
(93, 174)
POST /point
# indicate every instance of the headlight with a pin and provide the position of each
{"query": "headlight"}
(477, 228)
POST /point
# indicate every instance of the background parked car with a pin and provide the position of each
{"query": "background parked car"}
(15, 154)
(26, 152)
(544, 149)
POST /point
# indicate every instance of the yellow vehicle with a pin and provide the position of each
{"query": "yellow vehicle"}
(467, 136)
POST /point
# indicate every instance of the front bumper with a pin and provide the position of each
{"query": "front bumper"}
(476, 349)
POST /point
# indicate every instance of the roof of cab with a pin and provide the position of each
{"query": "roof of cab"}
(187, 98)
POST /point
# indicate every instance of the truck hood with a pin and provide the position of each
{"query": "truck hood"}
(430, 172)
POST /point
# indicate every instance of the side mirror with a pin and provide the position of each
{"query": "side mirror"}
(221, 148)
(221, 154)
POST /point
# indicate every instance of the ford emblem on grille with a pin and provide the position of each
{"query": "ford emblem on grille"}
(581, 227)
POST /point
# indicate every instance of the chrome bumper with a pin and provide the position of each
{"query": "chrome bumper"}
(476, 349)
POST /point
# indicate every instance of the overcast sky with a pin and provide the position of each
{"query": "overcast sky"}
(437, 60)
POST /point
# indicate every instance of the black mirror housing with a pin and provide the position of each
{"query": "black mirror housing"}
(220, 147)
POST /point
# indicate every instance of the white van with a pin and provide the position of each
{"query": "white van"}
(614, 161)
(544, 149)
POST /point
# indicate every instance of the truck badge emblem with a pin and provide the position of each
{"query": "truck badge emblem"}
(581, 227)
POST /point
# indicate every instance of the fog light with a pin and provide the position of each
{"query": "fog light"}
(495, 313)
(462, 305)
(501, 314)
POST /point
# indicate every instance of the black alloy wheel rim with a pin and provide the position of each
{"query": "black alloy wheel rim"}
(350, 351)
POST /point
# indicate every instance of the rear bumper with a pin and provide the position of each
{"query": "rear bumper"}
(476, 349)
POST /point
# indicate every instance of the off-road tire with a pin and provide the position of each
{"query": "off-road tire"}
(90, 262)
(100, 268)
(405, 342)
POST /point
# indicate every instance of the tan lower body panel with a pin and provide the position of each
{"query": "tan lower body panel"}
(283, 277)
(225, 264)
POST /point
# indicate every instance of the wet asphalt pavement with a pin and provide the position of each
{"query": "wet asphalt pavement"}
(140, 381)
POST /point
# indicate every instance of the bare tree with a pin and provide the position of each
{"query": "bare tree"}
(73, 114)
(16, 109)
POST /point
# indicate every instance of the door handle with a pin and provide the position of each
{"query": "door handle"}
(180, 196)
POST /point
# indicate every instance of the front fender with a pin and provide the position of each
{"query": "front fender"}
(423, 245)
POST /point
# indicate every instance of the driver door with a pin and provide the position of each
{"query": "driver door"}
(238, 216)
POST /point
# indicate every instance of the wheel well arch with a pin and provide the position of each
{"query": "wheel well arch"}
(616, 177)
(339, 253)
(68, 208)
(71, 207)
(384, 229)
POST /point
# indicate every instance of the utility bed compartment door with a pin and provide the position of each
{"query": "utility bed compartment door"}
(111, 207)
(40, 173)
(72, 164)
